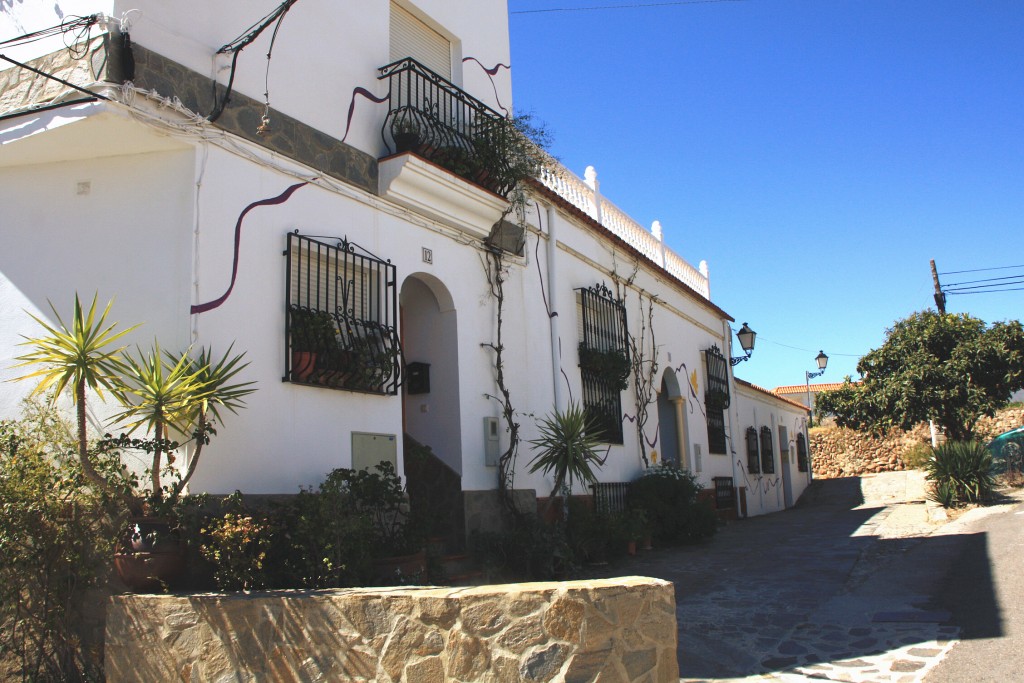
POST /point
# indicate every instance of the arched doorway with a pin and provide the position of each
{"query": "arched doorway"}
(672, 421)
(430, 336)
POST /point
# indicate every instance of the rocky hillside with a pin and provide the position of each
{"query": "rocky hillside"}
(838, 452)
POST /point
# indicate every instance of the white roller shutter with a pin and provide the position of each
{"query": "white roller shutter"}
(410, 37)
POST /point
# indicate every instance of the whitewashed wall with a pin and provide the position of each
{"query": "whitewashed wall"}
(753, 408)
(323, 51)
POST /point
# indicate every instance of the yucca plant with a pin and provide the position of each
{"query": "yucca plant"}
(79, 356)
(569, 447)
(162, 394)
(960, 472)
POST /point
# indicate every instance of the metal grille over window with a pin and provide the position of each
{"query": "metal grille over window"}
(341, 317)
(801, 453)
(753, 456)
(604, 358)
(767, 456)
(716, 397)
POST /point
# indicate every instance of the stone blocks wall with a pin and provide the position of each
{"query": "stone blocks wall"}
(838, 452)
(615, 629)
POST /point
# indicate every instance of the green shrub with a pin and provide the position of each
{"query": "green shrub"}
(917, 456)
(960, 472)
(668, 497)
(237, 544)
(56, 539)
(320, 541)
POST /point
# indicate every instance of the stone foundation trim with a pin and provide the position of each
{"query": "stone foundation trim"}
(621, 629)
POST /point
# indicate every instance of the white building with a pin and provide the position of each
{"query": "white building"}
(216, 219)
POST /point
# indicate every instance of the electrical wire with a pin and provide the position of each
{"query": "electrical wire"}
(235, 48)
(979, 270)
(77, 26)
(990, 279)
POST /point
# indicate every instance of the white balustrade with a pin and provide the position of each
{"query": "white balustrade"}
(582, 194)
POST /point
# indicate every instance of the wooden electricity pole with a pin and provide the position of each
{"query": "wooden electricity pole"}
(940, 298)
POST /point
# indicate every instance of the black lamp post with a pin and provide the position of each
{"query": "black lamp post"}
(747, 337)
(822, 360)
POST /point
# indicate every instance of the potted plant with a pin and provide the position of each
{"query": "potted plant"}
(406, 132)
(161, 394)
(312, 333)
(637, 530)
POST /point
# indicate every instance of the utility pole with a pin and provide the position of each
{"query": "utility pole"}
(940, 298)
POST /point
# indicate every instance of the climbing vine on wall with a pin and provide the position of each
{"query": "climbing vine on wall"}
(643, 359)
(496, 276)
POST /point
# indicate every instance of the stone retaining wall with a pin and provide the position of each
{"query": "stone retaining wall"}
(615, 629)
(839, 452)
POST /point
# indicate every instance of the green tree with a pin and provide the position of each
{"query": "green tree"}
(949, 368)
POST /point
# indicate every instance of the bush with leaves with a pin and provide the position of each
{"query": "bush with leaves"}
(237, 543)
(56, 538)
(668, 497)
(961, 473)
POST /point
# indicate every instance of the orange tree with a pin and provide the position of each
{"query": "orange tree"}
(949, 368)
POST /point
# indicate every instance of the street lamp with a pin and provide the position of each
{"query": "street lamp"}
(747, 337)
(822, 360)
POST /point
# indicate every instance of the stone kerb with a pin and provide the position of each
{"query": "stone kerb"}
(620, 629)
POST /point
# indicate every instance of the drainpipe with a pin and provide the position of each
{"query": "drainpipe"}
(732, 390)
(552, 251)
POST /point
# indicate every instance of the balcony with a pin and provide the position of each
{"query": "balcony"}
(431, 117)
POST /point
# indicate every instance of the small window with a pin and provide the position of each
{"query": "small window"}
(767, 456)
(604, 358)
(753, 456)
(801, 453)
(341, 312)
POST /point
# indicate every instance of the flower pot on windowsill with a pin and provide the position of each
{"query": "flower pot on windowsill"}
(407, 142)
(303, 363)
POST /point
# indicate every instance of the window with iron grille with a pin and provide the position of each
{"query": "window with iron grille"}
(716, 397)
(801, 453)
(767, 456)
(604, 358)
(753, 456)
(341, 307)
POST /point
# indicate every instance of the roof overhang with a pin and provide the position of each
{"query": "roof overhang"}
(82, 130)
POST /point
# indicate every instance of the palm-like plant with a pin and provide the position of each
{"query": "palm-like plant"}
(161, 393)
(568, 447)
(79, 356)
(218, 390)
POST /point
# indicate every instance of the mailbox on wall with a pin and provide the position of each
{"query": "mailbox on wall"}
(417, 378)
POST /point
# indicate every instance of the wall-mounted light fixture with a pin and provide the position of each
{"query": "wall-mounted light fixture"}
(822, 360)
(747, 337)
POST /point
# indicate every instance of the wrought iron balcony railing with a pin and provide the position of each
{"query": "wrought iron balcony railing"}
(434, 118)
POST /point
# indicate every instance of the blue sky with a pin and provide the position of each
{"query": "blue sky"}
(817, 153)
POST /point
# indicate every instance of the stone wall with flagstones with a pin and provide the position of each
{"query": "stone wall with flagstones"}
(621, 629)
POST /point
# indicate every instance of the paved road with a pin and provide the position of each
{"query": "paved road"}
(844, 587)
(985, 594)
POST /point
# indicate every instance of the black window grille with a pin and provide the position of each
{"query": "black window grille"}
(341, 327)
(604, 359)
(723, 493)
(431, 116)
(716, 397)
(753, 456)
(801, 453)
(767, 455)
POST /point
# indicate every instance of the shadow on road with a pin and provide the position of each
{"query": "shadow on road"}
(813, 585)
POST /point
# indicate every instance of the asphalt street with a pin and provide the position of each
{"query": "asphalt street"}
(863, 581)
